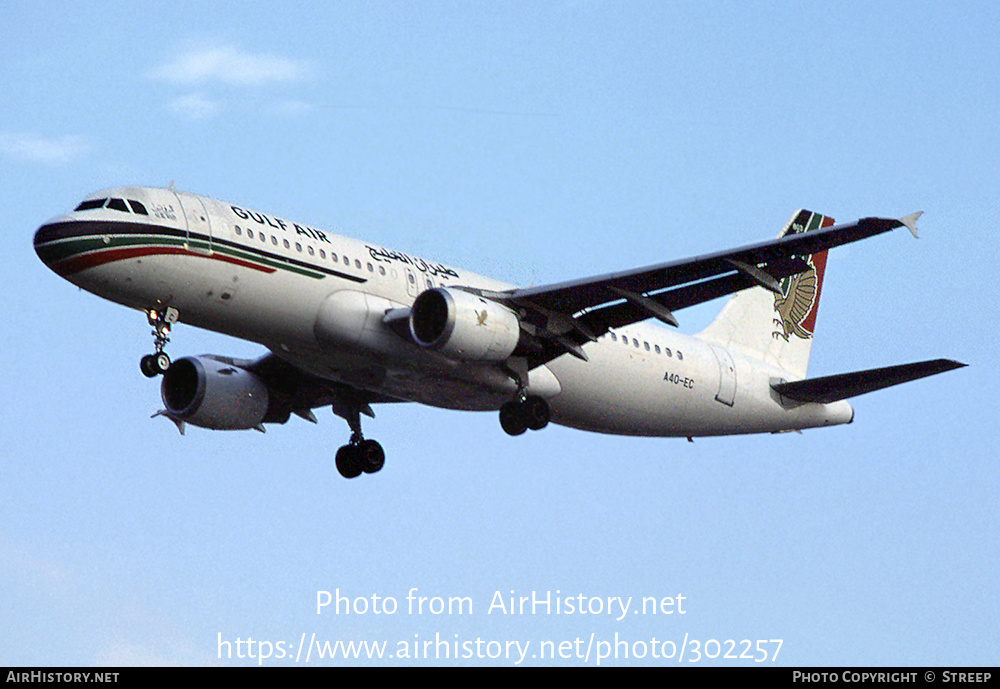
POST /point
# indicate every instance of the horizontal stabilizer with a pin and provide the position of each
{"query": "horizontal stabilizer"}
(833, 388)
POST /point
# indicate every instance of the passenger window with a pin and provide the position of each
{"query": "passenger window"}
(679, 354)
(239, 231)
(287, 245)
(312, 252)
(656, 348)
(249, 233)
(274, 240)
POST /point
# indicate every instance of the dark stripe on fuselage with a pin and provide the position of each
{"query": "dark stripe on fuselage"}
(78, 262)
(71, 246)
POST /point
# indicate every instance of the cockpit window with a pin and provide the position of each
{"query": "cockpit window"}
(91, 204)
(114, 204)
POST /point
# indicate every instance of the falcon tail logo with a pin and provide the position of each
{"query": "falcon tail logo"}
(796, 305)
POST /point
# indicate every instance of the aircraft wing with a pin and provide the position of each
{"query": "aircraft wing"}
(565, 315)
(294, 391)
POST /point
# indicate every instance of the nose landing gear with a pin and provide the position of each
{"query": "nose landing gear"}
(157, 363)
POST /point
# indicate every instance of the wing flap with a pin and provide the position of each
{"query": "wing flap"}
(834, 388)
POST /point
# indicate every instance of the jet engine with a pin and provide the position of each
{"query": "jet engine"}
(210, 393)
(464, 326)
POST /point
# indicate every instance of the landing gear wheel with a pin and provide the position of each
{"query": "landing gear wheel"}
(148, 366)
(366, 456)
(358, 455)
(349, 461)
(157, 363)
(162, 362)
(518, 416)
(513, 420)
(153, 365)
(536, 412)
(371, 455)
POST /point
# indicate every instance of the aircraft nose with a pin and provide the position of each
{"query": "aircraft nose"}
(44, 235)
(49, 242)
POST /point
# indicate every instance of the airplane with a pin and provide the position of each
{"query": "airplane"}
(350, 324)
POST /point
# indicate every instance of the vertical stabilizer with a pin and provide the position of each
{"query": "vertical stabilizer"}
(776, 327)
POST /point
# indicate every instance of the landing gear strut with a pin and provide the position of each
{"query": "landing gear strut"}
(525, 412)
(359, 455)
(157, 363)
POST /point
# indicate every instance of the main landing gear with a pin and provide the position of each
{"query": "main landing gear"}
(523, 413)
(157, 363)
(359, 455)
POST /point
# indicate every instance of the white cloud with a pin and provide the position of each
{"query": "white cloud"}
(33, 148)
(231, 65)
(195, 106)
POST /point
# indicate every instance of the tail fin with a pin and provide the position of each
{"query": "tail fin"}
(776, 327)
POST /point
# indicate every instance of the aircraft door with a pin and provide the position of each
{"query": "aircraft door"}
(199, 228)
(727, 376)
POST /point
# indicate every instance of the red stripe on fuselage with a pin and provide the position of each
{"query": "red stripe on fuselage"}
(93, 259)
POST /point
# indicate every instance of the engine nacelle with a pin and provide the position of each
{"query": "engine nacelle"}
(463, 325)
(212, 394)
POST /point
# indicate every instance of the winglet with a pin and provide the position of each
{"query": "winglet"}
(910, 221)
(167, 415)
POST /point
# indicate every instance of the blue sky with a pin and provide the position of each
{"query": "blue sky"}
(534, 142)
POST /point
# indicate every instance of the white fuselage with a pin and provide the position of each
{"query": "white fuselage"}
(318, 300)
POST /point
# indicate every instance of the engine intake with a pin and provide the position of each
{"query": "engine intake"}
(209, 393)
(464, 326)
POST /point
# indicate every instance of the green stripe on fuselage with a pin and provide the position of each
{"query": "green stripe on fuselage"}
(63, 249)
